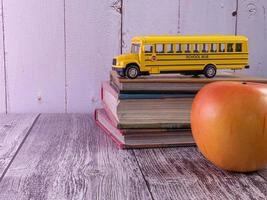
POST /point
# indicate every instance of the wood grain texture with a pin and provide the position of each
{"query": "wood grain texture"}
(252, 23)
(2, 64)
(13, 129)
(35, 55)
(92, 40)
(207, 17)
(68, 157)
(150, 17)
(183, 173)
(263, 173)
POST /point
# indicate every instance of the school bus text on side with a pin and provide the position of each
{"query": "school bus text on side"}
(193, 55)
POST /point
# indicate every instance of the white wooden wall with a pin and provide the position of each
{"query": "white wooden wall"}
(54, 54)
(2, 67)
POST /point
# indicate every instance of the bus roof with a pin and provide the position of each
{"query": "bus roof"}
(195, 39)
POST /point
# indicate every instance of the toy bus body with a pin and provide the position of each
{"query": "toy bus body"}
(183, 54)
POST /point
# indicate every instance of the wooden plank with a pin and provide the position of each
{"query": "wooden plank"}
(252, 23)
(183, 173)
(2, 64)
(151, 17)
(92, 40)
(34, 33)
(69, 157)
(13, 130)
(207, 17)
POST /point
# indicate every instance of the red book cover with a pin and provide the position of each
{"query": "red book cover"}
(120, 137)
(106, 88)
(119, 144)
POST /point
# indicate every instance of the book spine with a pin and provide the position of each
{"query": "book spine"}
(113, 85)
(110, 115)
(106, 87)
(118, 143)
(115, 80)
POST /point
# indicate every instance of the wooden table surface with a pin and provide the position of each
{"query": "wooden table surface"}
(66, 156)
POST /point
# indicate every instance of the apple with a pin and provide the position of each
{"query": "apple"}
(229, 124)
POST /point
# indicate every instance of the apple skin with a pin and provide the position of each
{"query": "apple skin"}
(229, 125)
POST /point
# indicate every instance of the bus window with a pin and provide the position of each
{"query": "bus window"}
(178, 48)
(135, 48)
(187, 50)
(221, 48)
(196, 48)
(230, 47)
(169, 48)
(159, 48)
(238, 47)
(213, 48)
(148, 48)
(204, 48)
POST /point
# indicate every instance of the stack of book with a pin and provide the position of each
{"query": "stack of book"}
(152, 111)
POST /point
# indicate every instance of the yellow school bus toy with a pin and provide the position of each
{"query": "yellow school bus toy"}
(189, 55)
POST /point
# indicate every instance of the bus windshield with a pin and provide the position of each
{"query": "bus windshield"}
(135, 48)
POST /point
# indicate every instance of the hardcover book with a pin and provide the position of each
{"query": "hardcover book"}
(173, 83)
(172, 111)
(143, 138)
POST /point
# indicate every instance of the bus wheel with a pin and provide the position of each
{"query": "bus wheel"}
(132, 71)
(210, 71)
